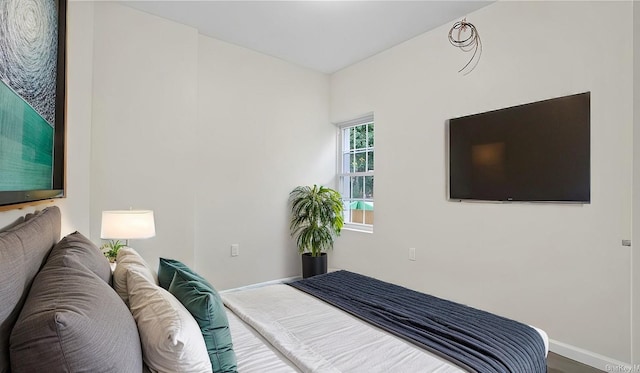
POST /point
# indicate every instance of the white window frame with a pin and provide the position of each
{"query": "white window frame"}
(343, 149)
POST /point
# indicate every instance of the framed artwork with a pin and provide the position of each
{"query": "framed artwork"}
(32, 100)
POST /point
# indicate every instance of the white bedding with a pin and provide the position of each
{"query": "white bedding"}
(317, 337)
(253, 353)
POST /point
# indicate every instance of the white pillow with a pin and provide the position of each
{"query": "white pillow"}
(127, 259)
(170, 337)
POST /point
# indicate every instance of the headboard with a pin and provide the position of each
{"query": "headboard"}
(24, 247)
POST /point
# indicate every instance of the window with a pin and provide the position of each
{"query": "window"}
(356, 172)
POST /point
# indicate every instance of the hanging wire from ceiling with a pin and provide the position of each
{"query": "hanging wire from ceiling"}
(465, 36)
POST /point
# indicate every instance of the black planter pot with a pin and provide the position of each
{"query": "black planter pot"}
(313, 265)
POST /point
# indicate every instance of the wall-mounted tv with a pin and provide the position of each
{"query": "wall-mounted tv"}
(536, 152)
(32, 100)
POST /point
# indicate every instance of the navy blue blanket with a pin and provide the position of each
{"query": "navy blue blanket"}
(474, 339)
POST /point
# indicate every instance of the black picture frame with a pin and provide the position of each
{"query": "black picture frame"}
(58, 162)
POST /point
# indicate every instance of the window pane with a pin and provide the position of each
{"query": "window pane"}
(360, 162)
(358, 211)
(352, 162)
(368, 187)
(368, 217)
(352, 141)
(361, 136)
(357, 157)
(357, 216)
(357, 187)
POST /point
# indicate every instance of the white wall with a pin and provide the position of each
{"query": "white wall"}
(263, 129)
(210, 136)
(560, 267)
(75, 207)
(144, 113)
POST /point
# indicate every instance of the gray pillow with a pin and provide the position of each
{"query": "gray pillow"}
(9, 227)
(75, 249)
(72, 321)
(23, 250)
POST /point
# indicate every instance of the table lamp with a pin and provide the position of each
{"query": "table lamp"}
(125, 225)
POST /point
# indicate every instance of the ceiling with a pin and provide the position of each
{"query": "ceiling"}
(321, 35)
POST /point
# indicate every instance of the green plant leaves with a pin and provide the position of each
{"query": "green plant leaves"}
(111, 248)
(316, 218)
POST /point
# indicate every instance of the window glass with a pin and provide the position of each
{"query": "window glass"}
(356, 182)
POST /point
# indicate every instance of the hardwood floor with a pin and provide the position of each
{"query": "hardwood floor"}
(560, 364)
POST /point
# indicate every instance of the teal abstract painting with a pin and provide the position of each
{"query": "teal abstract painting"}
(29, 58)
(26, 145)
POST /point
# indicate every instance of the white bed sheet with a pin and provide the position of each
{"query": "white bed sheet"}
(253, 353)
(317, 337)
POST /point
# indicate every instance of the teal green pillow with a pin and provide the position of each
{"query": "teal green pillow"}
(206, 307)
(168, 268)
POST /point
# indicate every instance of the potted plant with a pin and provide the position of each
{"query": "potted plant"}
(316, 220)
(110, 250)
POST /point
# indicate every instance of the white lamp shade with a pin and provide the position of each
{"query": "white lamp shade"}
(127, 224)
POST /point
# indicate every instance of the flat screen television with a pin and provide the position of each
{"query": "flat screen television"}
(536, 152)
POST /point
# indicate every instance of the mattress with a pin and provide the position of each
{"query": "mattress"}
(316, 337)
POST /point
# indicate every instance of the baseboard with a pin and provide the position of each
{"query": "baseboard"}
(261, 284)
(589, 358)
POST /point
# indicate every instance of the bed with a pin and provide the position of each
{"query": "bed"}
(63, 310)
(363, 324)
(322, 338)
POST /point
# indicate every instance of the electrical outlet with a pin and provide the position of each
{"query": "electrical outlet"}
(235, 249)
(412, 253)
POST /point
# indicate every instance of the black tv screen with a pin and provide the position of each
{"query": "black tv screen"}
(537, 152)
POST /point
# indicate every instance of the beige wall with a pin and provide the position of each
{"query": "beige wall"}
(210, 136)
(559, 267)
(263, 128)
(144, 116)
